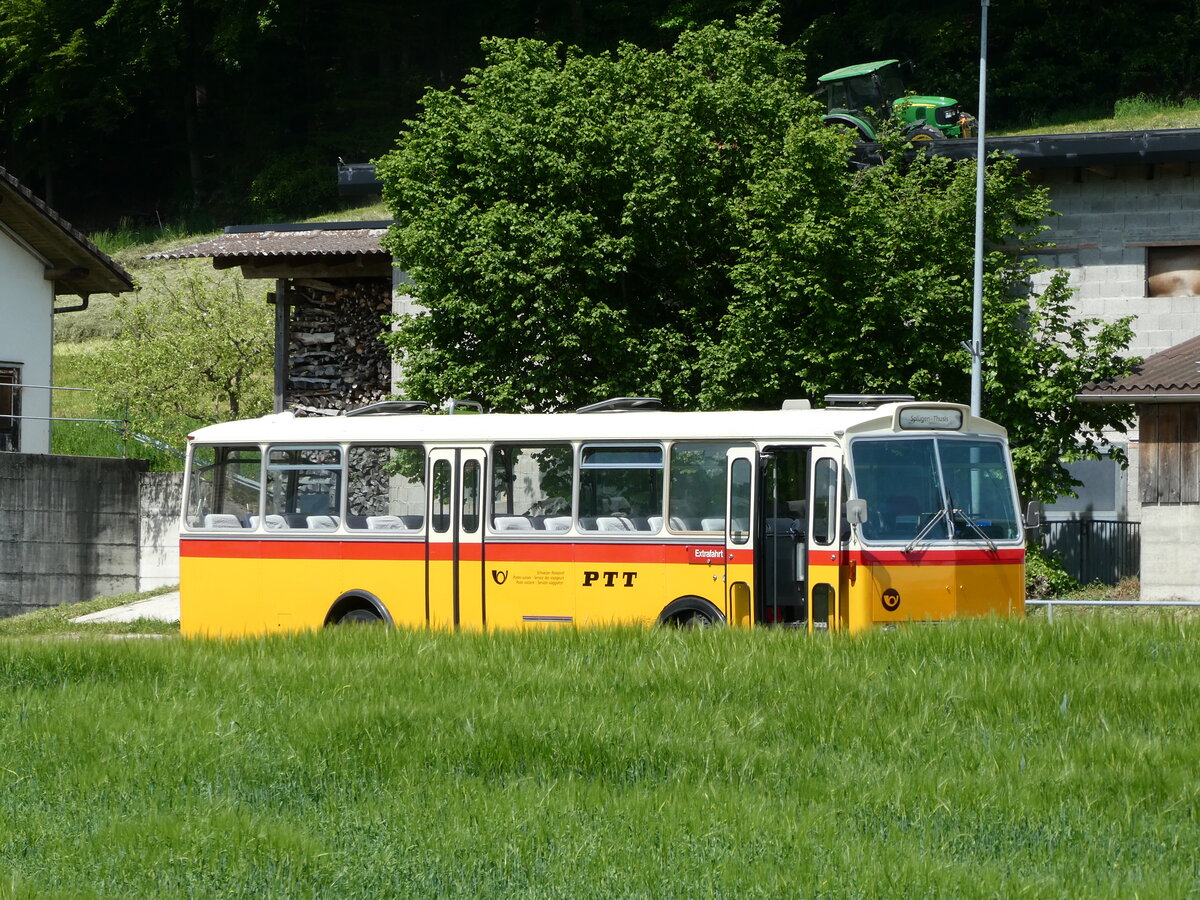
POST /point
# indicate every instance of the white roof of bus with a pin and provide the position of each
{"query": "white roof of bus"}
(768, 425)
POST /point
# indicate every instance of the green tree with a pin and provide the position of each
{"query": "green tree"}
(679, 223)
(190, 352)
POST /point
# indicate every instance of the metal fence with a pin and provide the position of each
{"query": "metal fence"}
(1111, 604)
(1095, 551)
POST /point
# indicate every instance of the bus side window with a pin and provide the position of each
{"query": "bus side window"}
(621, 488)
(696, 492)
(531, 488)
(385, 488)
(825, 479)
(304, 486)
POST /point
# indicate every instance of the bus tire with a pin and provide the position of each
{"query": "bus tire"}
(358, 609)
(691, 612)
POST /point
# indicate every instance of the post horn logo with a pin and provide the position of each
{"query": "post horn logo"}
(891, 599)
(499, 577)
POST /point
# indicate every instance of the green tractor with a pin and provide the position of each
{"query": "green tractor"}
(858, 96)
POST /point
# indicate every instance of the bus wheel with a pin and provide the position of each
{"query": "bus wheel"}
(360, 616)
(691, 612)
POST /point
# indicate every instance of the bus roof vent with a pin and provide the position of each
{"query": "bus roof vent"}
(389, 408)
(864, 400)
(622, 404)
(796, 404)
(454, 405)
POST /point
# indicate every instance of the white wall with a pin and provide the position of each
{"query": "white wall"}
(1170, 562)
(26, 334)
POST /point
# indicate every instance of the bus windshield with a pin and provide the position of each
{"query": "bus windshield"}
(932, 490)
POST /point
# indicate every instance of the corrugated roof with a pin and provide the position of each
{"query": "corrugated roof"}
(1172, 374)
(74, 264)
(280, 241)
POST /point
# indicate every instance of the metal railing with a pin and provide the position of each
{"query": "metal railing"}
(1114, 604)
(120, 426)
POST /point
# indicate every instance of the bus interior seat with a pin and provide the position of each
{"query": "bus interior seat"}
(654, 523)
(613, 523)
(272, 523)
(557, 523)
(322, 523)
(680, 523)
(512, 523)
(712, 523)
(386, 523)
(222, 520)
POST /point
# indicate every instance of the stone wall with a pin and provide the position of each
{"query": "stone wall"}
(68, 529)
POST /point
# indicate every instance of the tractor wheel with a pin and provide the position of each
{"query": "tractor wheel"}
(925, 133)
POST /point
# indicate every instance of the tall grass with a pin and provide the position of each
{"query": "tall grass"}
(981, 759)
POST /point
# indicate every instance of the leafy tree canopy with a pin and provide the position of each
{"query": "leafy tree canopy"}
(678, 223)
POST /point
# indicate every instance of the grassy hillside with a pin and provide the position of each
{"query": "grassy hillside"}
(977, 760)
(80, 336)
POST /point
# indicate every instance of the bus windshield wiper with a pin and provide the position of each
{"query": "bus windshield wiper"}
(970, 520)
(942, 513)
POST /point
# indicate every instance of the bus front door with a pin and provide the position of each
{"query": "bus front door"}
(454, 553)
(782, 543)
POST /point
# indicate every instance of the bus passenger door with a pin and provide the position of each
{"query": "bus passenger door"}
(826, 555)
(454, 552)
(739, 535)
(783, 548)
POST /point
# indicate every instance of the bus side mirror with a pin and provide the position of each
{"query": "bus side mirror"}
(856, 511)
(1033, 514)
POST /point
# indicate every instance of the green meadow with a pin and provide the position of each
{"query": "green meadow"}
(983, 759)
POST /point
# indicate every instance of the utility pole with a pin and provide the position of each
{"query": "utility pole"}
(976, 346)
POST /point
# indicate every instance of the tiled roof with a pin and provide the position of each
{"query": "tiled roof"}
(264, 241)
(1170, 375)
(79, 267)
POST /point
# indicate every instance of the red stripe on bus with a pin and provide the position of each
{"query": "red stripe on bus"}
(540, 551)
(964, 557)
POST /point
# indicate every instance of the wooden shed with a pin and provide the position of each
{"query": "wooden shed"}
(1166, 390)
(334, 286)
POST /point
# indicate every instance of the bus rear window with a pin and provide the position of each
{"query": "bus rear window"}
(224, 486)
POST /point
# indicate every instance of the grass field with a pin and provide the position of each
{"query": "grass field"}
(989, 759)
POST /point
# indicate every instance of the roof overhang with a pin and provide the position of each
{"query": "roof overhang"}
(74, 265)
(307, 250)
(1088, 150)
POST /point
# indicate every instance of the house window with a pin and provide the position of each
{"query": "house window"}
(10, 408)
(1100, 496)
(1173, 271)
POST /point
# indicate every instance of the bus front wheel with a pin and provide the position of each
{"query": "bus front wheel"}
(691, 612)
(360, 617)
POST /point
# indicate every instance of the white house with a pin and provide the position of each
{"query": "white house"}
(41, 258)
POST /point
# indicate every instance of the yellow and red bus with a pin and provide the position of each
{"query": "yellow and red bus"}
(869, 511)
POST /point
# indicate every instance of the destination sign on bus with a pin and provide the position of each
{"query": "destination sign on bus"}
(913, 418)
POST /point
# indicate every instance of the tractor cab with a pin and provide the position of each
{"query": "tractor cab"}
(858, 98)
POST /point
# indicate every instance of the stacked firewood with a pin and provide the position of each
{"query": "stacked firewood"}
(336, 359)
